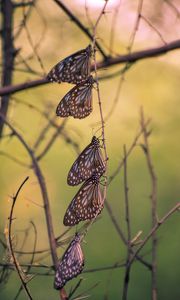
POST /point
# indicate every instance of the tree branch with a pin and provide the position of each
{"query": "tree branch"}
(80, 25)
(153, 198)
(153, 230)
(8, 53)
(111, 61)
(16, 264)
(42, 184)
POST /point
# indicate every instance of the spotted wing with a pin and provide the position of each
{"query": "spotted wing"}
(86, 204)
(82, 104)
(90, 161)
(71, 264)
(73, 69)
(77, 102)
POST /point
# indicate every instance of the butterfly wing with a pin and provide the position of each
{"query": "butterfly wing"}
(82, 104)
(77, 102)
(73, 69)
(71, 264)
(90, 161)
(75, 176)
(86, 204)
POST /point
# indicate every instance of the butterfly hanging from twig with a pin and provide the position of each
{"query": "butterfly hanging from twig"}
(87, 203)
(71, 263)
(73, 69)
(78, 101)
(89, 162)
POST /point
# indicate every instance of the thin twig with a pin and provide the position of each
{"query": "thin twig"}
(31, 41)
(80, 25)
(101, 117)
(127, 218)
(16, 264)
(51, 141)
(153, 230)
(136, 26)
(14, 159)
(113, 27)
(154, 28)
(153, 198)
(27, 15)
(47, 211)
(129, 151)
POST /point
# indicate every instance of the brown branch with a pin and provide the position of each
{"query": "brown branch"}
(42, 184)
(23, 4)
(15, 262)
(132, 57)
(52, 140)
(21, 25)
(14, 159)
(101, 118)
(153, 198)
(29, 38)
(80, 25)
(121, 234)
(8, 53)
(11, 89)
(154, 28)
(127, 217)
(129, 151)
(136, 26)
(153, 230)
(32, 258)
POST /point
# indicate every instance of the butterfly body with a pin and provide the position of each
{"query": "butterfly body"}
(78, 101)
(89, 162)
(70, 265)
(87, 203)
(73, 69)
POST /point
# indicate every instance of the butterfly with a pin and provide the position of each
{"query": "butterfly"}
(90, 161)
(73, 69)
(87, 203)
(78, 101)
(71, 264)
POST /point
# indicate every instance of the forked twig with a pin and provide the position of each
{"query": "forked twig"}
(15, 262)
(154, 229)
(47, 211)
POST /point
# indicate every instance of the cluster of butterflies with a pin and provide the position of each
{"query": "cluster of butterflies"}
(75, 69)
(88, 167)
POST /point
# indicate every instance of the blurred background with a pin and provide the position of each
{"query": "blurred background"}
(149, 83)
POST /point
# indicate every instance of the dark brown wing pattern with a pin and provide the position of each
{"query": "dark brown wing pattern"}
(73, 69)
(70, 265)
(86, 204)
(89, 162)
(78, 101)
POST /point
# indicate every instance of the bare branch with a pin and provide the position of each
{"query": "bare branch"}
(8, 53)
(132, 57)
(127, 217)
(16, 264)
(47, 211)
(80, 25)
(129, 151)
(153, 230)
(22, 4)
(153, 198)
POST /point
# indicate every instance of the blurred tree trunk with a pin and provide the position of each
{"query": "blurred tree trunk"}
(8, 53)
